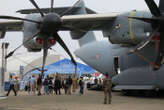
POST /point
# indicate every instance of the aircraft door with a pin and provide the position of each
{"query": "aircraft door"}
(116, 65)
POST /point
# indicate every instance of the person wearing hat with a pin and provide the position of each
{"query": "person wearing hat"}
(107, 84)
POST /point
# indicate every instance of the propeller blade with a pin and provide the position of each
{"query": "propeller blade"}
(17, 18)
(153, 8)
(37, 7)
(160, 54)
(69, 9)
(52, 4)
(12, 52)
(61, 42)
(144, 43)
(9, 55)
(45, 51)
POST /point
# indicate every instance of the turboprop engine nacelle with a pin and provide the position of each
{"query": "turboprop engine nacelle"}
(36, 44)
(125, 30)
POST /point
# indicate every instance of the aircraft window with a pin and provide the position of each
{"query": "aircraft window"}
(117, 26)
(116, 65)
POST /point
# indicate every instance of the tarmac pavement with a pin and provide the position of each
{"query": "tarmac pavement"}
(91, 100)
(1, 97)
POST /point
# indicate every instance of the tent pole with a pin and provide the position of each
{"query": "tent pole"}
(75, 71)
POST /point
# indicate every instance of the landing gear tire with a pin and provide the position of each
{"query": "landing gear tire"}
(150, 93)
(126, 92)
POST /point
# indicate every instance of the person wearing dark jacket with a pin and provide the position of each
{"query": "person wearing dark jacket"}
(11, 86)
(64, 86)
(81, 84)
(39, 84)
(45, 84)
(57, 85)
(50, 86)
(69, 84)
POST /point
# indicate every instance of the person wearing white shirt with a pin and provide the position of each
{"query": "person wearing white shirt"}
(32, 85)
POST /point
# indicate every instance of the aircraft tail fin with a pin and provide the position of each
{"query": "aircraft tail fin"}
(87, 38)
(83, 37)
(161, 5)
(59, 10)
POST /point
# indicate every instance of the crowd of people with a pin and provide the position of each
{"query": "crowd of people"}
(47, 86)
(52, 86)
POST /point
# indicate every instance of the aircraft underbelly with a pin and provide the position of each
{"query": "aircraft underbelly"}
(140, 78)
(160, 77)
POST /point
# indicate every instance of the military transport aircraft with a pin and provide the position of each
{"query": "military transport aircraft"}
(135, 47)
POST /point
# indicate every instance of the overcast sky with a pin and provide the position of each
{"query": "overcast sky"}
(9, 7)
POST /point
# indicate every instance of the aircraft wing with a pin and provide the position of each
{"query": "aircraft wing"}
(11, 25)
(82, 23)
(88, 22)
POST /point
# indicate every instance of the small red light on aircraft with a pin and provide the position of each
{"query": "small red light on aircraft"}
(52, 41)
(156, 38)
(39, 41)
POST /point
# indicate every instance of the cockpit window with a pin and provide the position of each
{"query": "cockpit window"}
(117, 26)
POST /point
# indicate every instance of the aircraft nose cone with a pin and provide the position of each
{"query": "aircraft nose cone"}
(51, 23)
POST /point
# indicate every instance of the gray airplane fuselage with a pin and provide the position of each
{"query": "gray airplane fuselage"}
(136, 70)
